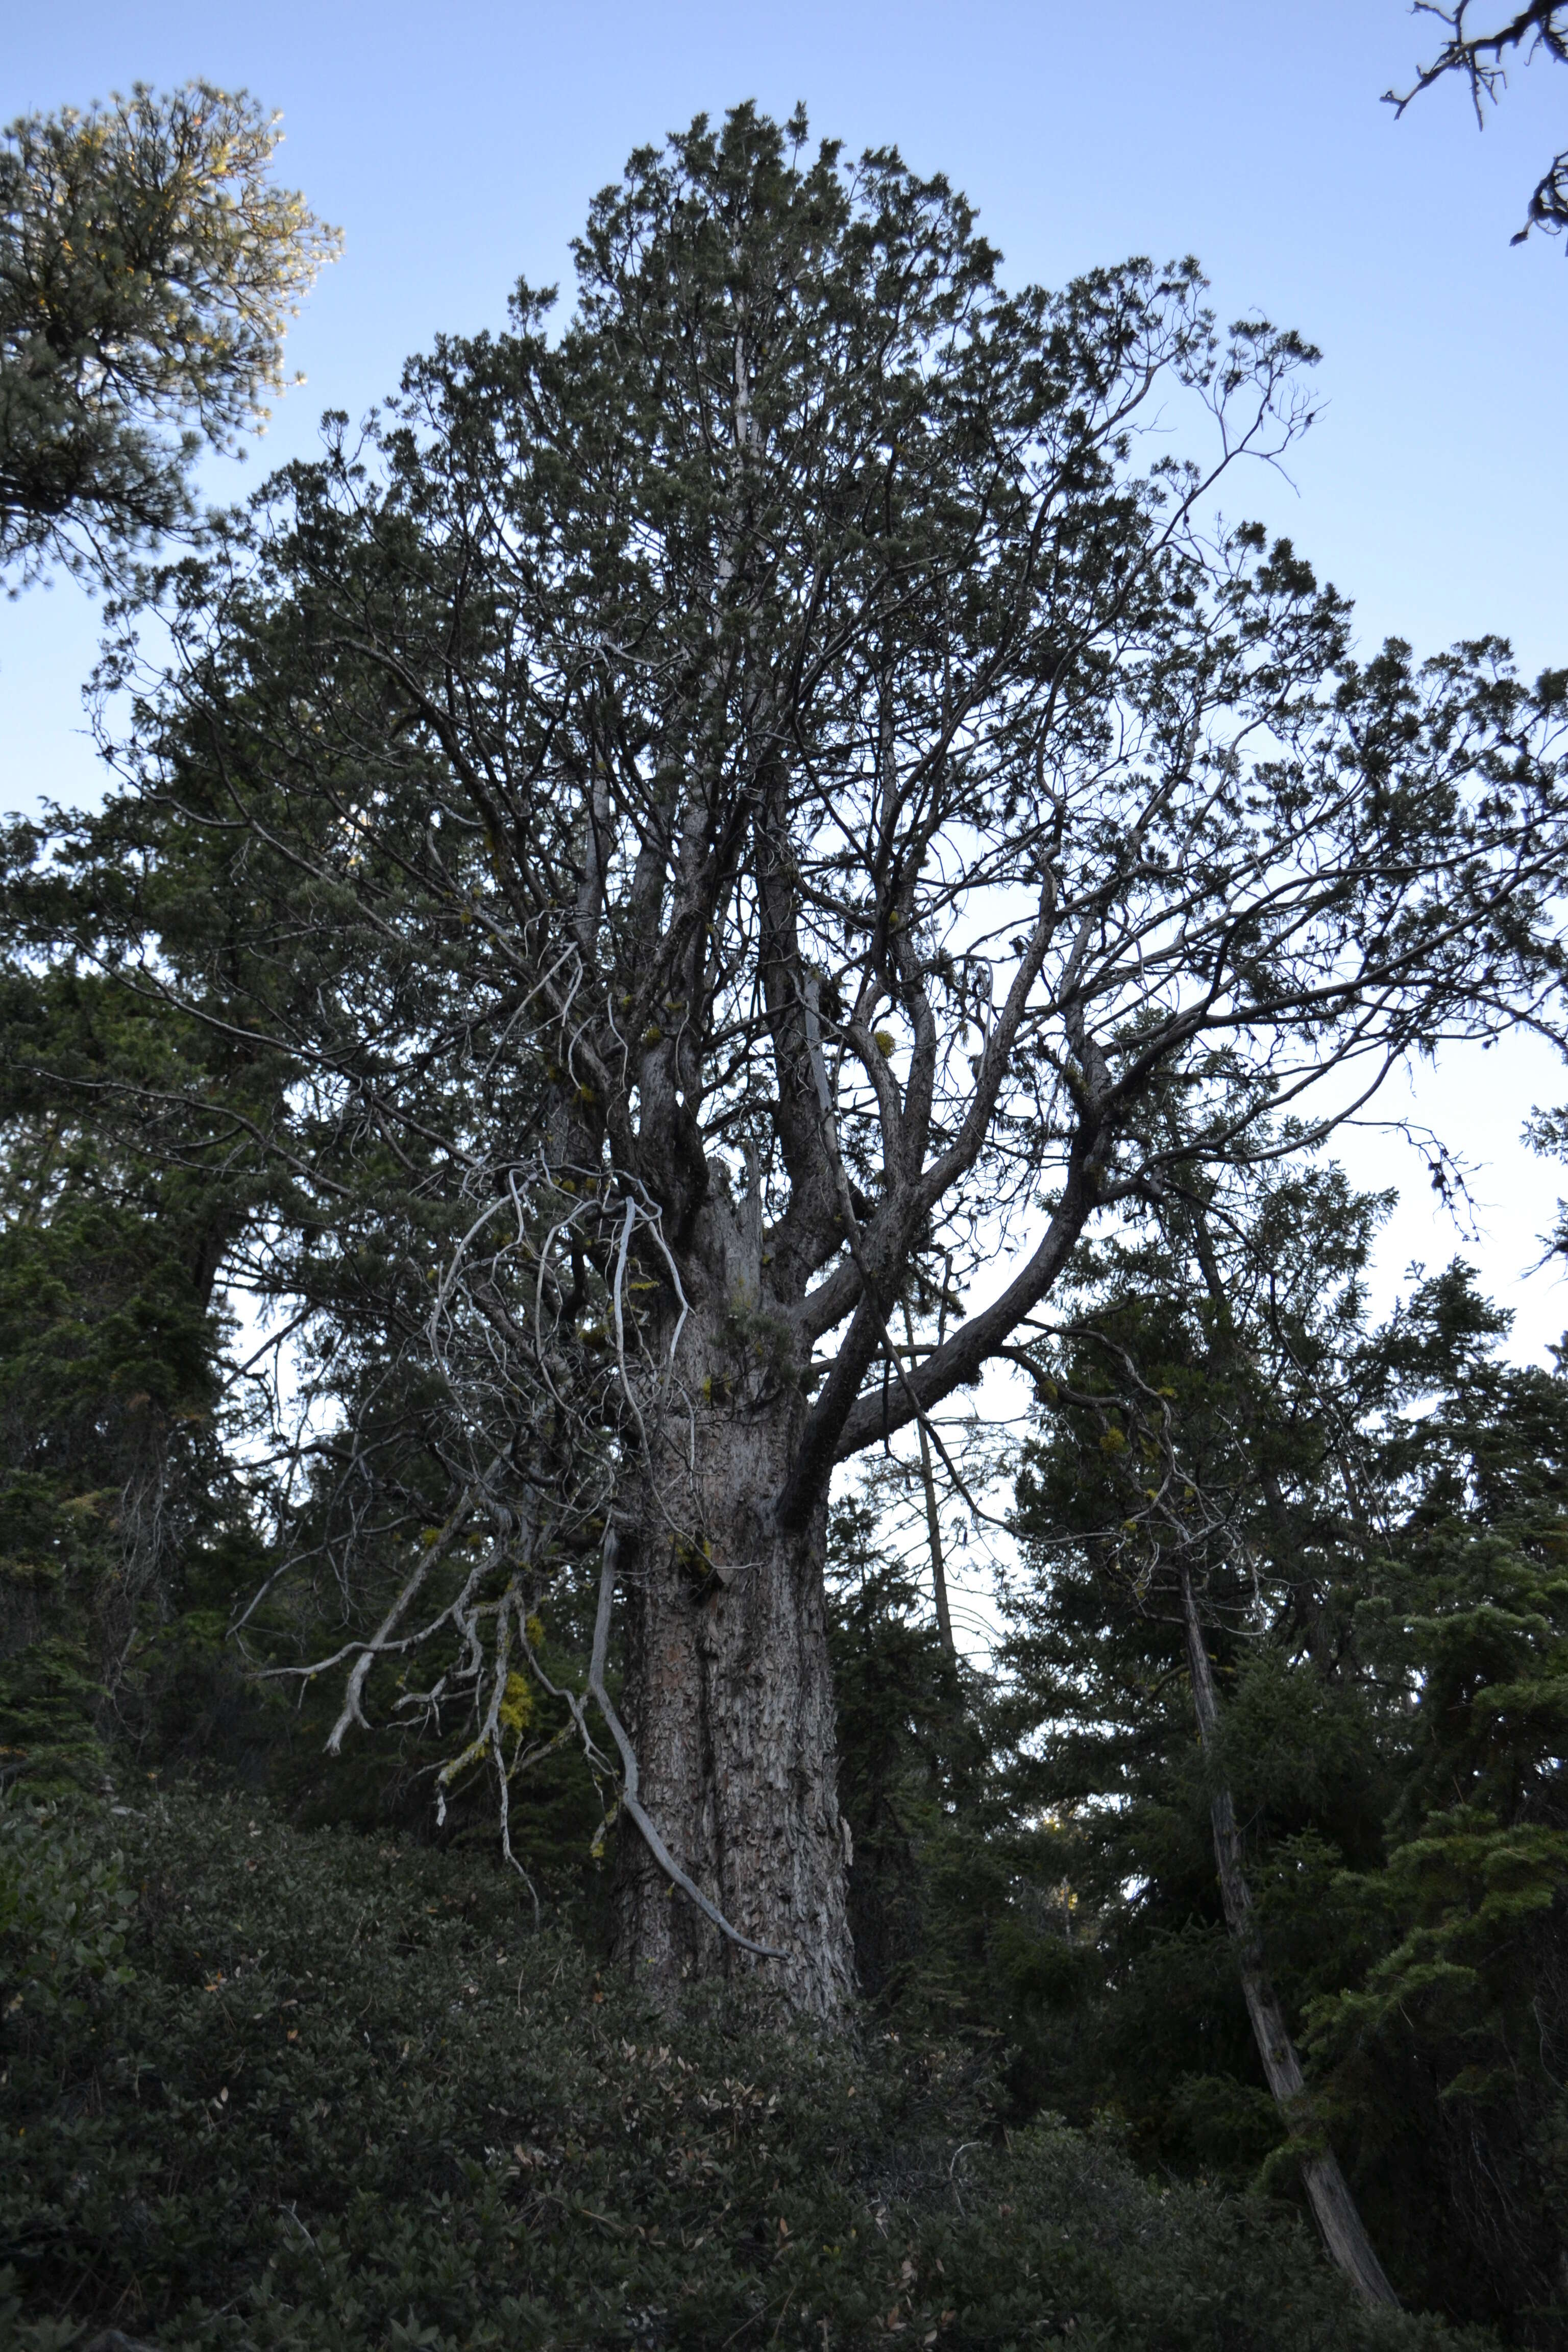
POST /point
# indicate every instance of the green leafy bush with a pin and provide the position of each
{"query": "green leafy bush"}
(63, 1915)
(309, 2093)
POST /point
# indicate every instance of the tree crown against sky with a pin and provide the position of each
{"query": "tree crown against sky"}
(772, 803)
(148, 269)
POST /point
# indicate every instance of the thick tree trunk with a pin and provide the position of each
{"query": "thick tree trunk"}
(728, 1694)
(1328, 2193)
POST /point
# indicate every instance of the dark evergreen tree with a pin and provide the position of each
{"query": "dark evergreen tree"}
(1450, 2051)
(1369, 1526)
(955, 1894)
(124, 1532)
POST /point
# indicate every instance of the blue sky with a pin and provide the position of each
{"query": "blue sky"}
(457, 147)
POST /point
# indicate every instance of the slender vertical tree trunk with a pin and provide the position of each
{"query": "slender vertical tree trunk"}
(933, 1516)
(1328, 2193)
(729, 1691)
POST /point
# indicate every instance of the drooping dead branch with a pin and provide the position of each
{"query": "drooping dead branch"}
(1479, 60)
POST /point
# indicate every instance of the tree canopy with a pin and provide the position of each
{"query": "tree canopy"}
(148, 267)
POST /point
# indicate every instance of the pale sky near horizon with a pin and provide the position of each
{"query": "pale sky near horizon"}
(458, 147)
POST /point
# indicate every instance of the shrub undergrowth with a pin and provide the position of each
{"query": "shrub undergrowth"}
(310, 2093)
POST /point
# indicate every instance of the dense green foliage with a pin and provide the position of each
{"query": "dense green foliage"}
(147, 269)
(268, 2089)
(124, 1532)
(1380, 1521)
(943, 1888)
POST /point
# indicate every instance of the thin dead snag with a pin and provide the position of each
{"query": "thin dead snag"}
(1333, 2208)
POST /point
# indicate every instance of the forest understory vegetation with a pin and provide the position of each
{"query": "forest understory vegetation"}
(280, 2088)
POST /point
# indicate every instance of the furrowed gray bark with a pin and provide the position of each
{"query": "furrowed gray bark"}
(730, 1694)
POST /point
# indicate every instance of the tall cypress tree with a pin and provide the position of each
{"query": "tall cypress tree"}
(714, 803)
